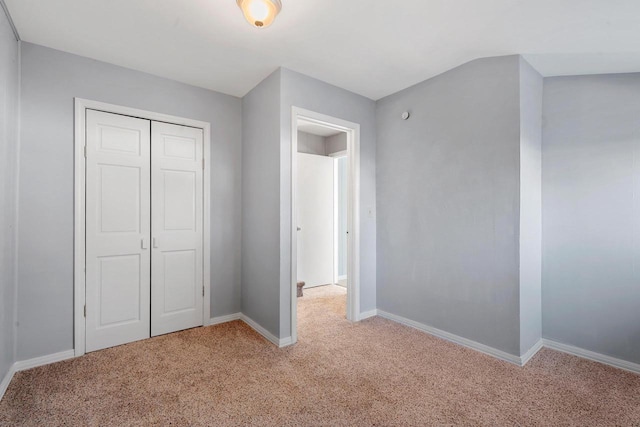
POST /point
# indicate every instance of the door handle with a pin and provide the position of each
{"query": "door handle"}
(143, 243)
(155, 243)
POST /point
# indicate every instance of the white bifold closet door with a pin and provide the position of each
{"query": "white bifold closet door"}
(177, 292)
(118, 229)
(144, 229)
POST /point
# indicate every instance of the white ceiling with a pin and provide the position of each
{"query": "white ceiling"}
(315, 129)
(371, 47)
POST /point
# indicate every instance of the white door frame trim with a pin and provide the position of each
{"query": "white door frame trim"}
(353, 211)
(79, 283)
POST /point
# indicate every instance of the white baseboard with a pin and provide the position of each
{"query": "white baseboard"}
(502, 355)
(33, 363)
(285, 342)
(224, 319)
(43, 360)
(520, 361)
(4, 385)
(524, 359)
(592, 355)
(280, 342)
(368, 314)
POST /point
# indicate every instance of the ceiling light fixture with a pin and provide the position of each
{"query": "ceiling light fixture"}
(260, 13)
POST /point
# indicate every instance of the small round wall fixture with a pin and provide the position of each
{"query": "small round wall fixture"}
(406, 115)
(260, 13)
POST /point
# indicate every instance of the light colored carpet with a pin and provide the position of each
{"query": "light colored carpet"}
(340, 374)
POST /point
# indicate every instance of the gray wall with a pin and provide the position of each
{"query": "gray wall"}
(311, 94)
(531, 85)
(50, 81)
(261, 203)
(311, 144)
(448, 202)
(336, 143)
(591, 213)
(9, 120)
(322, 146)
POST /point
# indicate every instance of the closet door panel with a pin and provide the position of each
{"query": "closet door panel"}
(177, 228)
(118, 228)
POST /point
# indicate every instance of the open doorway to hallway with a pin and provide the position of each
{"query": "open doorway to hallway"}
(324, 211)
(322, 205)
(321, 196)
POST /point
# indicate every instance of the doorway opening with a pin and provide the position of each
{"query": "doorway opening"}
(325, 195)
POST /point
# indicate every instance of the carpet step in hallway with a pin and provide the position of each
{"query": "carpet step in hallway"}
(374, 373)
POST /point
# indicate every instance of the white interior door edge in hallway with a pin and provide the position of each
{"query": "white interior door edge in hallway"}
(353, 211)
(80, 185)
(336, 215)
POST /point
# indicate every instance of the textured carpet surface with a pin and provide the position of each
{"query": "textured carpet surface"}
(340, 374)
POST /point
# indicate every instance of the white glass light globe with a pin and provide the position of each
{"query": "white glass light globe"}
(260, 13)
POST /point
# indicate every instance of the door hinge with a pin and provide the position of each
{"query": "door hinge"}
(202, 164)
(85, 310)
(85, 151)
(203, 291)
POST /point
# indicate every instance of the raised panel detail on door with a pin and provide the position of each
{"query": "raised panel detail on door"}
(180, 207)
(119, 290)
(118, 228)
(179, 148)
(119, 140)
(177, 228)
(119, 202)
(179, 280)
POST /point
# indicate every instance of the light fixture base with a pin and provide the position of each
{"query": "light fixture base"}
(260, 13)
